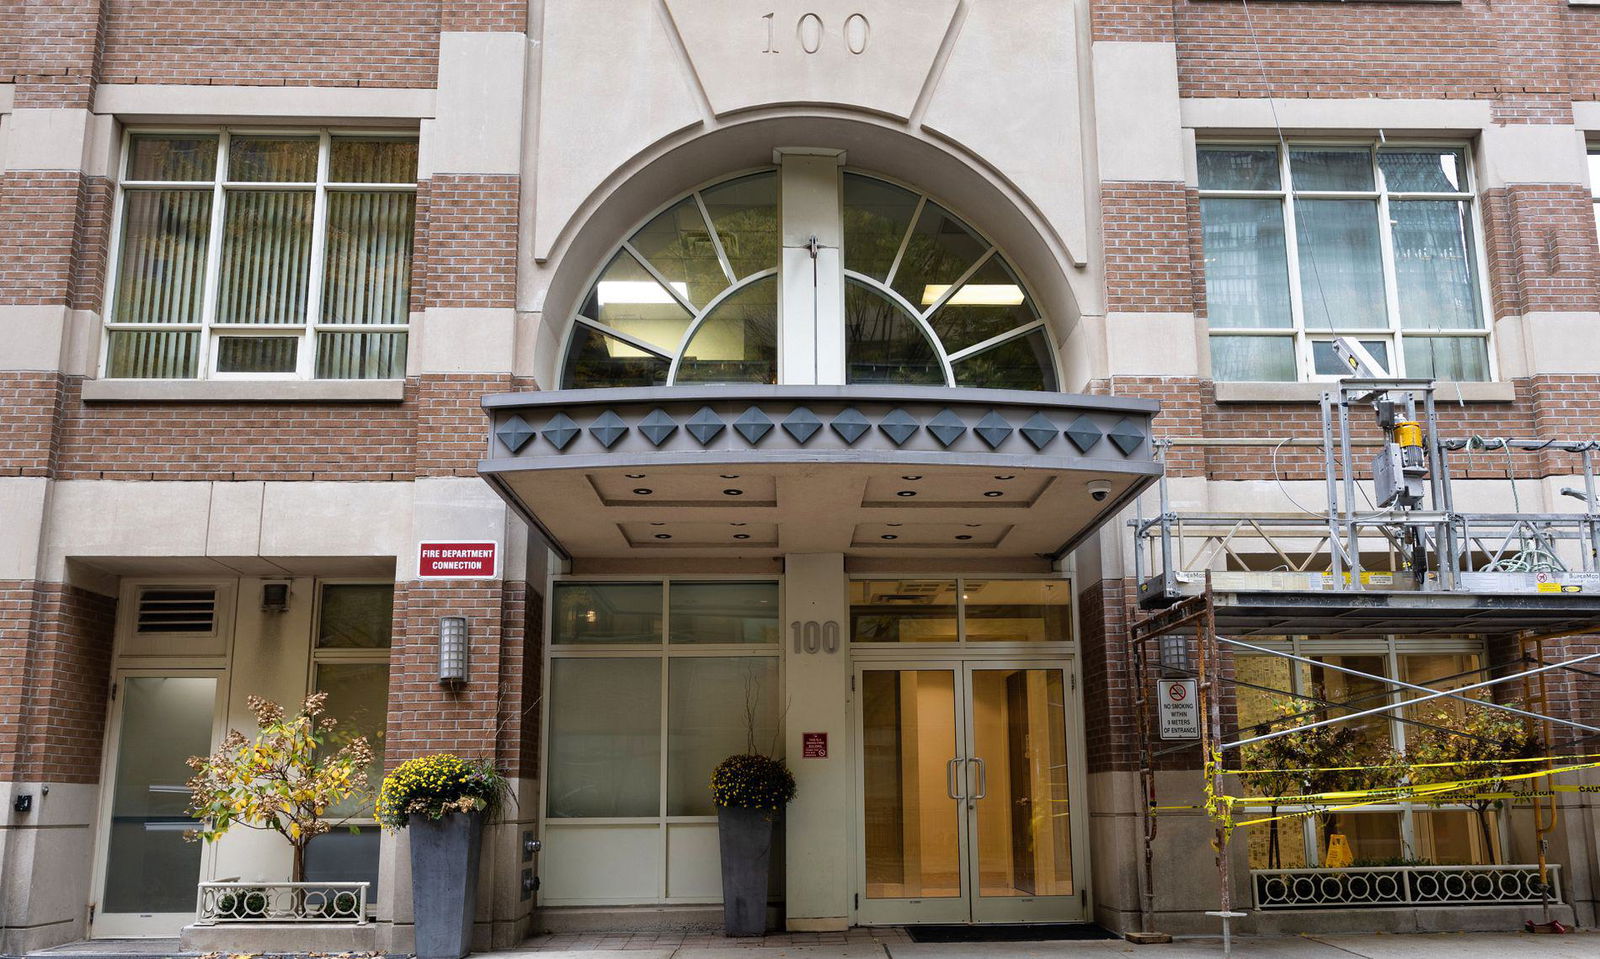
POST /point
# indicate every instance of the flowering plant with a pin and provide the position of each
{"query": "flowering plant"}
(434, 785)
(285, 780)
(752, 781)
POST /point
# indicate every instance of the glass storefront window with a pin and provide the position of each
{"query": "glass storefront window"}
(948, 610)
(615, 613)
(1018, 611)
(705, 613)
(903, 611)
(356, 616)
(605, 761)
(716, 707)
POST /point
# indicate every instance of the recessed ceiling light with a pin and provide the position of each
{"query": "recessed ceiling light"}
(658, 524)
(729, 475)
(912, 478)
(736, 524)
(907, 492)
(733, 492)
(634, 475)
(963, 536)
(641, 491)
(894, 524)
(994, 492)
(972, 525)
(888, 536)
(663, 536)
(1005, 477)
(743, 536)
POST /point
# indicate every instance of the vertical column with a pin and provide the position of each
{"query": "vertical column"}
(811, 306)
(817, 697)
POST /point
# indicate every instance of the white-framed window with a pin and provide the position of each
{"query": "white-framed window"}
(1400, 833)
(692, 295)
(350, 662)
(1380, 243)
(261, 254)
(651, 684)
(1594, 182)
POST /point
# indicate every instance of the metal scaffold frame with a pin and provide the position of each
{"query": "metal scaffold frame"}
(1527, 577)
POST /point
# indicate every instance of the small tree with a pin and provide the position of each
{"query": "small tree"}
(1470, 742)
(1309, 761)
(282, 781)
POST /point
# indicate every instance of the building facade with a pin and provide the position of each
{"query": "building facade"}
(799, 364)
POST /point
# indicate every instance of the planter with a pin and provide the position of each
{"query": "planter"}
(745, 837)
(444, 882)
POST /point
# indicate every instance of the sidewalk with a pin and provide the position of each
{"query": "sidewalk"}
(893, 944)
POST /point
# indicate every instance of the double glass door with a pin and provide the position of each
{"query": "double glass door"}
(966, 813)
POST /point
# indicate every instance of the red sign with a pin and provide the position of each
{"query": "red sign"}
(452, 560)
(814, 745)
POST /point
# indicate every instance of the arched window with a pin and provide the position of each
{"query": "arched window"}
(692, 296)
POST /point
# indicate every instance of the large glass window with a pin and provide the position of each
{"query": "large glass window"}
(350, 662)
(245, 255)
(1380, 834)
(960, 610)
(1311, 242)
(651, 685)
(692, 296)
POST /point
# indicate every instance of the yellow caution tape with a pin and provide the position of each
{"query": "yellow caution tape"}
(1464, 762)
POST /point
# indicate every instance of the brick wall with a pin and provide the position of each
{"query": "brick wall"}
(489, 715)
(470, 254)
(53, 231)
(289, 43)
(55, 662)
(30, 404)
(1146, 227)
(1541, 247)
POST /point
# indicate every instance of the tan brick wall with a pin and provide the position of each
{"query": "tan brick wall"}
(1541, 247)
(55, 667)
(30, 404)
(452, 431)
(501, 16)
(288, 43)
(491, 714)
(1147, 252)
(236, 441)
(470, 252)
(53, 54)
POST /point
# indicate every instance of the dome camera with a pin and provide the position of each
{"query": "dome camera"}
(1099, 490)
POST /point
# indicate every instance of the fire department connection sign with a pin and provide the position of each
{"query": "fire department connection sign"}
(1178, 708)
(453, 560)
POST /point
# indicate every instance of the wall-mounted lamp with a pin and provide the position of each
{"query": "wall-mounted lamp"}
(1174, 653)
(274, 597)
(452, 649)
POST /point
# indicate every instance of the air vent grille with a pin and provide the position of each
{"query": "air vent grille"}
(168, 610)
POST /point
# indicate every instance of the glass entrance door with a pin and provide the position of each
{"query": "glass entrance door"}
(966, 813)
(148, 871)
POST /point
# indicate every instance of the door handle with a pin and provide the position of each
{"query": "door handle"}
(950, 777)
(983, 778)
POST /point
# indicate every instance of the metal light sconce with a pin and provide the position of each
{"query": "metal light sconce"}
(1174, 653)
(452, 649)
(274, 597)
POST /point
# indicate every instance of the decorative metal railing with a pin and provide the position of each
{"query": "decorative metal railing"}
(1402, 886)
(222, 902)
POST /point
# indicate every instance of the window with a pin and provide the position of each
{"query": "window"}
(960, 610)
(1378, 244)
(692, 296)
(696, 665)
(254, 255)
(350, 662)
(1379, 834)
(1594, 183)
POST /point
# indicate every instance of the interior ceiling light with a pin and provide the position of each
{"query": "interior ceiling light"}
(963, 536)
(730, 475)
(634, 475)
(973, 294)
(912, 478)
(643, 492)
(733, 492)
(993, 492)
(907, 492)
(888, 536)
(743, 536)
(1008, 477)
(663, 536)
(629, 292)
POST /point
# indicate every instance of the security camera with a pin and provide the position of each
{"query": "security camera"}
(1098, 490)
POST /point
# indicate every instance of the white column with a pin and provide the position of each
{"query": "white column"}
(817, 699)
(811, 341)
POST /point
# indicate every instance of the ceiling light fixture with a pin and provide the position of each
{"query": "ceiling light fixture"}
(639, 292)
(994, 492)
(642, 491)
(975, 294)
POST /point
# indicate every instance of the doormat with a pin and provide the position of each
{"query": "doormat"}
(1008, 933)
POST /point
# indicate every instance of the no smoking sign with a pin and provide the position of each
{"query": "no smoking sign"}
(1179, 709)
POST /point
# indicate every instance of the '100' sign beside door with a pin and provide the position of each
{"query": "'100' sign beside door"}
(814, 637)
(811, 32)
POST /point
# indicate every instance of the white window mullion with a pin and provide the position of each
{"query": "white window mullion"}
(1391, 274)
(208, 309)
(305, 366)
(1291, 253)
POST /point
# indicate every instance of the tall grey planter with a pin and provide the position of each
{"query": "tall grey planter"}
(745, 838)
(444, 882)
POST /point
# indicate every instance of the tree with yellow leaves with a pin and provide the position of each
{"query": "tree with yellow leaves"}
(281, 781)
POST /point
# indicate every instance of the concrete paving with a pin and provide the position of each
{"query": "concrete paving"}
(1438, 946)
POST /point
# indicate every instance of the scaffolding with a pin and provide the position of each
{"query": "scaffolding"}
(1407, 561)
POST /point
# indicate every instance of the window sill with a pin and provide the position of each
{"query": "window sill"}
(1252, 392)
(244, 391)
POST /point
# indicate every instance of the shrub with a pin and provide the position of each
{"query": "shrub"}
(752, 781)
(431, 786)
(251, 904)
